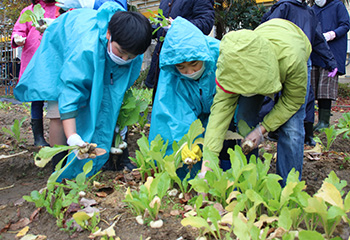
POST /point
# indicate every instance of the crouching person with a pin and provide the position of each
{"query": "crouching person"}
(254, 64)
(89, 59)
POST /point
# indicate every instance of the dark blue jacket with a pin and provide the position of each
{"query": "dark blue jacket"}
(304, 17)
(334, 17)
(199, 12)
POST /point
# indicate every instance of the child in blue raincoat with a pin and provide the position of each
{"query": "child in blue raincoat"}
(89, 59)
(186, 84)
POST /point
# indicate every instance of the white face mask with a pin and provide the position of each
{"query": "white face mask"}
(320, 3)
(115, 58)
(195, 75)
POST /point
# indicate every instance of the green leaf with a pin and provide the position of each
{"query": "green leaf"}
(195, 130)
(307, 235)
(347, 202)
(38, 11)
(241, 229)
(333, 179)
(80, 178)
(163, 185)
(27, 16)
(199, 185)
(335, 212)
(213, 162)
(5, 130)
(330, 194)
(46, 154)
(196, 222)
(88, 167)
(284, 219)
(81, 217)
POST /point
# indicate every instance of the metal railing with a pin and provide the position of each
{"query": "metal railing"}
(9, 63)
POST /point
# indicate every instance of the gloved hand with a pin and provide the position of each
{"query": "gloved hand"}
(191, 156)
(333, 72)
(119, 149)
(41, 28)
(19, 40)
(75, 140)
(68, 4)
(329, 36)
(120, 137)
(252, 140)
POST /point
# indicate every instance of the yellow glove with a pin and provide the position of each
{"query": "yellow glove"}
(191, 156)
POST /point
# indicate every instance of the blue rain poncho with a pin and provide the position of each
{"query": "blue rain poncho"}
(72, 66)
(180, 100)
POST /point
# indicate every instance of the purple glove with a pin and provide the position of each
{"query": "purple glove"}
(333, 72)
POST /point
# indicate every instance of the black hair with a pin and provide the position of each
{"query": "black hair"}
(131, 30)
(37, 1)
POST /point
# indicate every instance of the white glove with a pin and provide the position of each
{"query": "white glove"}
(75, 140)
(329, 36)
(19, 40)
(119, 149)
(67, 4)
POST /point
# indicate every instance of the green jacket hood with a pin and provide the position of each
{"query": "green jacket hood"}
(247, 64)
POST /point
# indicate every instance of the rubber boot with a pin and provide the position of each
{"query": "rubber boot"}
(323, 119)
(123, 161)
(309, 134)
(57, 158)
(38, 132)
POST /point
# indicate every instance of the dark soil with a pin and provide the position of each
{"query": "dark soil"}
(19, 176)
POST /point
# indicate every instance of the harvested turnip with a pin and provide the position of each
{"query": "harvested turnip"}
(156, 224)
(82, 194)
(139, 220)
(247, 146)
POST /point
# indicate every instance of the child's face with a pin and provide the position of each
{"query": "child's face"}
(189, 67)
(117, 49)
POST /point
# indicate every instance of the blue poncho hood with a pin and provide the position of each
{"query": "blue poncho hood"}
(180, 100)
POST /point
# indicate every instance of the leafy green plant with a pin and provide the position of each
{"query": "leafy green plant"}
(87, 221)
(331, 134)
(329, 207)
(15, 130)
(145, 157)
(344, 125)
(36, 16)
(209, 213)
(5, 105)
(159, 19)
(27, 106)
(148, 199)
(152, 158)
(130, 111)
(54, 197)
(144, 97)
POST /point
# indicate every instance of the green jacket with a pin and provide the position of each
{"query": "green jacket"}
(265, 61)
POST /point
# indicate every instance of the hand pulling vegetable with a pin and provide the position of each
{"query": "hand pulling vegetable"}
(86, 150)
(253, 139)
(19, 40)
(37, 18)
(191, 156)
(120, 145)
